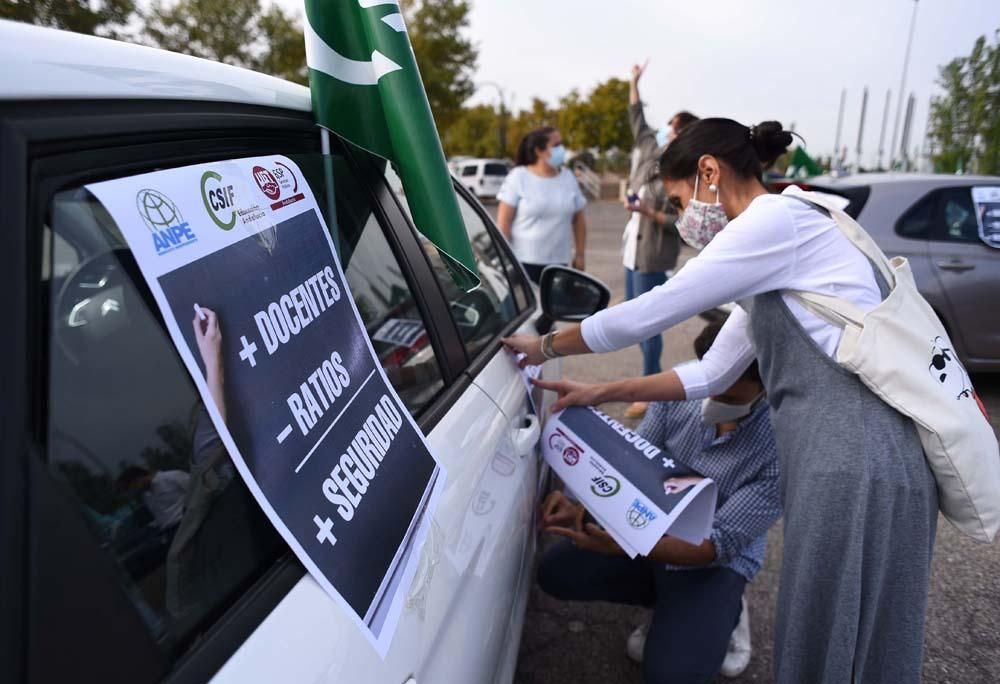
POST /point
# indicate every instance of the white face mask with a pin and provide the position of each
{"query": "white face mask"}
(715, 412)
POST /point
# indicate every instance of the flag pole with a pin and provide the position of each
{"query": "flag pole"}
(902, 86)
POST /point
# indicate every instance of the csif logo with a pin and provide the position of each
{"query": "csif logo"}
(605, 486)
(164, 220)
(220, 200)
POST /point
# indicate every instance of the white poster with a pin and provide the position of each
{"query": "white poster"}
(987, 201)
(635, 491)
(239, 259)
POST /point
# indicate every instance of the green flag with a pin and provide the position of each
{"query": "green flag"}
(802, 165)
(366, 88)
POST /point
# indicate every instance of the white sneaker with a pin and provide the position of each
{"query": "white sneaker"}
(637, 642)
(739, 650)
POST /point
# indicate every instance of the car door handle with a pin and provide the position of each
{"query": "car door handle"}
(526, 438)
(957, 266)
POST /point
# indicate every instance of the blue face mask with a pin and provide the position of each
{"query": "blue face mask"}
(558, 156)
(662, 136)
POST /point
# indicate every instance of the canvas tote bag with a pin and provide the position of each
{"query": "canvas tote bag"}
(902, 352)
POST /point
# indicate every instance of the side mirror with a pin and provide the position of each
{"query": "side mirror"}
(571, 295)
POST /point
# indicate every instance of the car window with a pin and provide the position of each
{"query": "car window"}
(918, 221)
(129, 435)
(494, 169)
(483, 314)
(469, 170)
(958, 216)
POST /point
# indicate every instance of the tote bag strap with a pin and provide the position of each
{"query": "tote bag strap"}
(850, 228)
(834, 310)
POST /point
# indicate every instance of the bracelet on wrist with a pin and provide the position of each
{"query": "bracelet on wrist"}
(548, 348)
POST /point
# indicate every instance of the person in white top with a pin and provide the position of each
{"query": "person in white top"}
(541, 206)
(860, 502)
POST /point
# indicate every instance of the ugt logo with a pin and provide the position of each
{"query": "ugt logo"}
(163, 218)
(639, 515)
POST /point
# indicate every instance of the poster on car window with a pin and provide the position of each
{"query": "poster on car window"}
(633, 489)
(987, 202)
(239, 259)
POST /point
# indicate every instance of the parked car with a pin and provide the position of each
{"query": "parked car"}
(482, 177)
(931, 220)
(86, 577)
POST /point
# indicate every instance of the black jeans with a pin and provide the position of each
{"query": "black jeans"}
(694, 611)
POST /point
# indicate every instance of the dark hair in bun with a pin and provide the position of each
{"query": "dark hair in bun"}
(747, 151)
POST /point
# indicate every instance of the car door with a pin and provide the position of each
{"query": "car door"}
(968, 271)
(503, 504)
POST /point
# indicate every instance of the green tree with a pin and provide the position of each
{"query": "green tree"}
(475, 133)
(445, 55)
(237, 32)
(964, 124)
(103, 18)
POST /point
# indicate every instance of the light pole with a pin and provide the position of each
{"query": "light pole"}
(501, 118)
(902, 88)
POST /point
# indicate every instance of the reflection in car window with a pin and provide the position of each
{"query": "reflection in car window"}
(483, 314)
(959, 216)
(130, 437)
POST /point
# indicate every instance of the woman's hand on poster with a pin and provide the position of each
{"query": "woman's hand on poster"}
(571, 393)
(591, 538)
(559, 511)
(529, 345)
(209, 339)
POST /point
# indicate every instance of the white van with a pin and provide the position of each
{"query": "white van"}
(482, 177)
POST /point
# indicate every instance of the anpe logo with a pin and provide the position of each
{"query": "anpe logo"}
(267, 183)
(605, 485)
(219, 199)
(639, 515)
(163, 218)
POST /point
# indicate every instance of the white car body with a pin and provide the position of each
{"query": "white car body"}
(464, 611)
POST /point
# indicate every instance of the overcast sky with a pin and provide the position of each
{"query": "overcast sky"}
(747, 59)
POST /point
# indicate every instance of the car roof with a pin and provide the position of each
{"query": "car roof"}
(43, 63)
(921, 179)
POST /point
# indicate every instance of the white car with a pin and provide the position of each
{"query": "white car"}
(93, 589)
(482, 177)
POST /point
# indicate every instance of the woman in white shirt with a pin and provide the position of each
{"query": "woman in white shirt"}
(859, 500)
(541, 206)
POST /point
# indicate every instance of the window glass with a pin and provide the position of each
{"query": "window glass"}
(918, 221)
(129, 435)
(483, 314)
(958, 215)
(494, 169)
(469, 170)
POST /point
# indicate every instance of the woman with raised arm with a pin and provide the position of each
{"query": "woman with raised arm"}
(859, 500)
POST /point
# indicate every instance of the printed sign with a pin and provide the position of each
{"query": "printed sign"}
(632, 488)
(987, 201)
(242, 267)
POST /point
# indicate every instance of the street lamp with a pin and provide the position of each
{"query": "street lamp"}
(501, 118)
(902, 89)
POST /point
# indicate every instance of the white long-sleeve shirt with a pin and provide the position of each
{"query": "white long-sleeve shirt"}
(777, 243)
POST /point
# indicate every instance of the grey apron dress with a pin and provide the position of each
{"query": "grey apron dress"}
(860, 514)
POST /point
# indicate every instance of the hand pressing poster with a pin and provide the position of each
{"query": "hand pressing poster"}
(242, 267)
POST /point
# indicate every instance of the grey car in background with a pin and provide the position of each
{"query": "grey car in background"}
(931, 220)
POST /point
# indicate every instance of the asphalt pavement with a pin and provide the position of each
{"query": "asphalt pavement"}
(584, 643)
